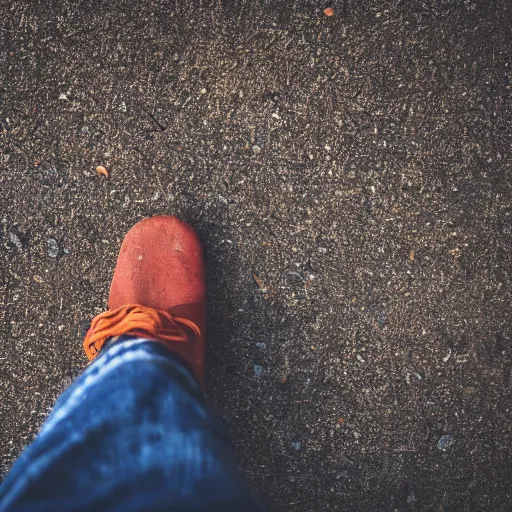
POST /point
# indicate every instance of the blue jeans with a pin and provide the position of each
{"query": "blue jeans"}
(132, 433)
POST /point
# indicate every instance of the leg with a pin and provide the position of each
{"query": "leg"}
(132, 433)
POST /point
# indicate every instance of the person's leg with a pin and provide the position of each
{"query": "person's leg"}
(132, 433)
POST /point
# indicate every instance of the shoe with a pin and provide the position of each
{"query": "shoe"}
(158, 292)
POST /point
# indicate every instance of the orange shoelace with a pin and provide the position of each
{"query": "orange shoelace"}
(138, 320)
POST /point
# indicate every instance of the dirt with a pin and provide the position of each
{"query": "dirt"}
(356, 164)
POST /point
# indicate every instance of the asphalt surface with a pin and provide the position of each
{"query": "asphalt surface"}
(350, 176)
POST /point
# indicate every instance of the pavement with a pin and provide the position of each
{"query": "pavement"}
(350, 177)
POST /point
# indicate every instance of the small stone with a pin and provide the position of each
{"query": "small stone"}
(258, 370)
(411, 499)
(296, 445)
(256, 149)
(122, 107)
(381, 320)
(15, 240)
(445, 442)
(53, 247)
(261, 346)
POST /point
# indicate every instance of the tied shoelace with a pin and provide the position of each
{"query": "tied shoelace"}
(138, 320)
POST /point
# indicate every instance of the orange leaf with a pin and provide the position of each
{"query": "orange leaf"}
(329, 11)
(102, 170)
(259, 282)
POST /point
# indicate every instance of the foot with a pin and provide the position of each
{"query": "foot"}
(161, 269)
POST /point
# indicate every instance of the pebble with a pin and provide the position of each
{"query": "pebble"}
(256, 149)
(53, 247)
(445, 442)
(381, 320)
(296, 445)
(261, 346)
(15, 239)
(411, 499)
(258, 370)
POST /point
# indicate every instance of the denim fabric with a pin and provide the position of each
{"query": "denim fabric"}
(132, 433)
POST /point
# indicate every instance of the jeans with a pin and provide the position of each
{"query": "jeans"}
(132, 433)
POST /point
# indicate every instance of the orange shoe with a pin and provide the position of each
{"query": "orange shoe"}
(158, 292)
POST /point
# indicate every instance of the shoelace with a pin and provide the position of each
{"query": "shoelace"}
(137, 320)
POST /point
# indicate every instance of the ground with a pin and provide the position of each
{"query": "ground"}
(351, 179)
